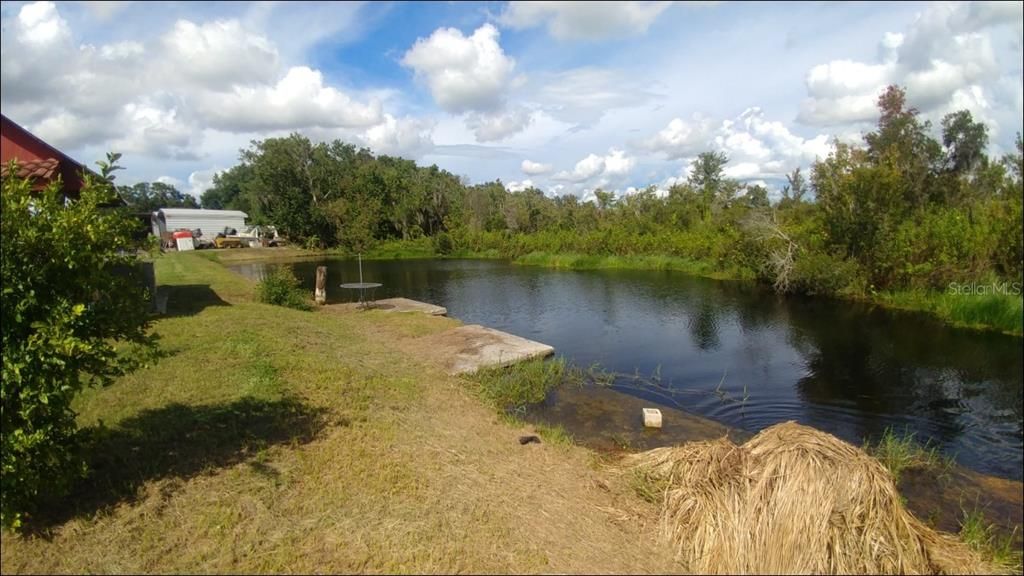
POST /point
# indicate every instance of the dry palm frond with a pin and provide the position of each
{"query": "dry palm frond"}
(793, 500)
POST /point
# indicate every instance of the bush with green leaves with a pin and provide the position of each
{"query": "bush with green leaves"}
(70, 293)
(280, 287)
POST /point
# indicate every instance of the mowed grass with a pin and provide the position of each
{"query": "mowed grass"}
(266, 439)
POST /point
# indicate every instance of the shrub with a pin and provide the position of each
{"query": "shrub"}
(443, 243)
(819, 273)
(70, 292)
(513, 388)
(280, 287)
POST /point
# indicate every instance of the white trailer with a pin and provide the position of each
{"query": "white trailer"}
(209, 222)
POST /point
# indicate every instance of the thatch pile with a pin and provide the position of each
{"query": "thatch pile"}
(793, 500)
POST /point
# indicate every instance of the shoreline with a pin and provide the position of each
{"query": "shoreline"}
(321, 432)
(1001, 313)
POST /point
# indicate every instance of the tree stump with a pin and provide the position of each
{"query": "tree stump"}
(320, 295)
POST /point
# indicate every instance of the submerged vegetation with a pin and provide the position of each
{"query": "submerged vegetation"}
(985, 538)
(903, 218)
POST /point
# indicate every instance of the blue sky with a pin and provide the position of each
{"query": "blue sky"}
(564, 96)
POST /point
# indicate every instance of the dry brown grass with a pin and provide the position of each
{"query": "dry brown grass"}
(793, 500)
(274, 440)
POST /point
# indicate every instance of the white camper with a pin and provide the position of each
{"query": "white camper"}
(208, 222)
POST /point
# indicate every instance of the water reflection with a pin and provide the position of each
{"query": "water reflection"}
(849, 369)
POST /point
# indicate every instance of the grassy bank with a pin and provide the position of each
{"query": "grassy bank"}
(266, 439)
(594, 262)
(1000, 312)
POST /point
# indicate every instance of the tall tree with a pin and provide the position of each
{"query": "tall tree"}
(903, 143)
(965, 141)
(707, 177)
(795, 188)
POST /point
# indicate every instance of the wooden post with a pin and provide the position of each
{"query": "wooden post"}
(321, 285)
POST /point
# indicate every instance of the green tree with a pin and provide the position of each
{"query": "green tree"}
(1014, 162)
(605, 199)
(152, 196)
(965, 141)
(232, 189)
(795, 188)
(757, 196)
(294, 180)
(902, 142)
(69, 293)
(707, 177)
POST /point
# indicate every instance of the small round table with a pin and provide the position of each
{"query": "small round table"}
(363, 287)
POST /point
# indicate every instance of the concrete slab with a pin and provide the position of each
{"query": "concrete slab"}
(466, 349)
(407, 305)
(392, 305)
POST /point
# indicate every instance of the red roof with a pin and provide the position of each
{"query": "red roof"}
(37, 159)
(35, 169)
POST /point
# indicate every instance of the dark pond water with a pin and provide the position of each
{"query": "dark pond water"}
(705, 345)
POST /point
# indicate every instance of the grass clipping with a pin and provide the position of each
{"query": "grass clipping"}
(793, 500)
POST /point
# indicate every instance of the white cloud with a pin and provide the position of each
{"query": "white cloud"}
(534, 168)
(34, 51)
(41, 24)
(104, 9)
(407, 137)
(757, 148)
(584, 20)
(156, 131)
(200, 181)
(946, 50)
(463, 73)
(519, 186)
(681, 139)
(610, 168)
(299, 100)
(195, 90)
(583, 95)
(585, 169)
(219, 54)
(760, 148)
(488, 127)
(616, 163)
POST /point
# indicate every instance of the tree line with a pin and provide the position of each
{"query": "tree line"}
(900, 210)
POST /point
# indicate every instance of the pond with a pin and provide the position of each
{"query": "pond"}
(737, 353)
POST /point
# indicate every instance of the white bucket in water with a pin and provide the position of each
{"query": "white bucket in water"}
(652, 418)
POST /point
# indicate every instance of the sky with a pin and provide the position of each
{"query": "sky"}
(564, 96)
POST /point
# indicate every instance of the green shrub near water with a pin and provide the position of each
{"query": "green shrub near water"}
(513, 388)
(67, 302)
(280, 287)
(898, 452)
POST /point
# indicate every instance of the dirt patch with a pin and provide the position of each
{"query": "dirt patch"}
(940, 499)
